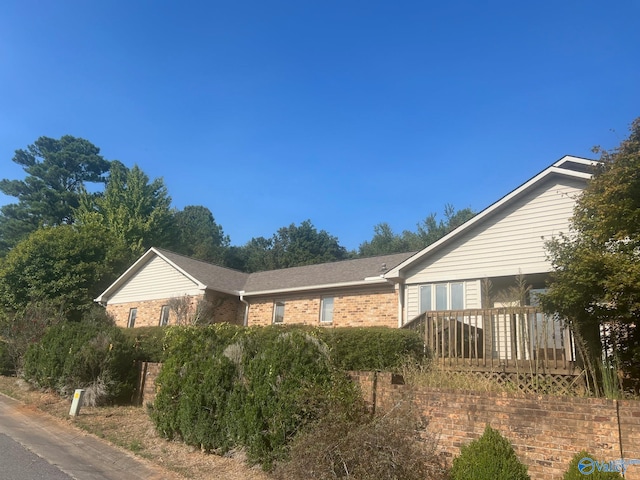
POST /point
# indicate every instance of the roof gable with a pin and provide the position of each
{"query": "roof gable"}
(566, 167)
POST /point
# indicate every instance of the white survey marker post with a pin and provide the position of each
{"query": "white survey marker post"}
(76, 403)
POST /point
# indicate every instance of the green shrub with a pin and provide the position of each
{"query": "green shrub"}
(590, 468)
(378, 348)
(87, 355)
(223, 387)
(490, 457)
(147, 342)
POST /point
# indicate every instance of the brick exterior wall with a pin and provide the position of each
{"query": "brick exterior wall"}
(226, 308)
(355, 308)
(545, 431)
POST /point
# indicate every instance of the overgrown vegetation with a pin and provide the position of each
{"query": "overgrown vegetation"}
(90, 355)
(223, 386)
(355, 445)
(596, 282)
(591, 470)
(147, 342)
(490, 457)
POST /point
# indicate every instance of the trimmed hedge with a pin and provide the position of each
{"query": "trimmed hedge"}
(372, 348)
(83, 355)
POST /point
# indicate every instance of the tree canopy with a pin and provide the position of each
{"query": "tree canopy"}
(57, 171)
(385, 241)
(63, 265)
(597, 265)
(136, 212)
(197, 235)
(289, 247)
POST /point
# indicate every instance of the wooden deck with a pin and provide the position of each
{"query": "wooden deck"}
(516, 339)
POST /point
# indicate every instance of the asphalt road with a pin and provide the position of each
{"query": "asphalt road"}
(54, 447)
(18, 463)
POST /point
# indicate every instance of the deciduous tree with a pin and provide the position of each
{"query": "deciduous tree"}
(596, 277)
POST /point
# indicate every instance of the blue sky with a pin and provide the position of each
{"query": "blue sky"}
(347, 113)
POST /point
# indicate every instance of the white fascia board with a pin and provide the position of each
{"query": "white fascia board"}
(395, 273)
(135, 267)
(580, 160)
(357, 283)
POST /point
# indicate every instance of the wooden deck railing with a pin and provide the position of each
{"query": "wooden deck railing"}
(498, 339)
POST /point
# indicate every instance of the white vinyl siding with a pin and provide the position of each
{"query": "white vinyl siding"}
(509, 242)
(155, 280)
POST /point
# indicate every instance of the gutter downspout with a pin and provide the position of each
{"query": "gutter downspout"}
(245, 320)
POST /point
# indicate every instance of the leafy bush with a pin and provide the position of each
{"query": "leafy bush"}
(24, 327)
(223, 386)
(378, 348)
(147, 342)
(6, 365)
(339, 445)
(83, 355)
(574, 473)
(490, 457)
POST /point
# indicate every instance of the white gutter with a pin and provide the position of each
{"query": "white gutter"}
(357, 283)
(245, 321)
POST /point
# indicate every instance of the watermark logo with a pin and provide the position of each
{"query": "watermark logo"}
(588, 465)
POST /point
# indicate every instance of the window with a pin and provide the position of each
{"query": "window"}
(164, 315)
(444, 296)
(326, 310)
(133, 312)
(278, 312)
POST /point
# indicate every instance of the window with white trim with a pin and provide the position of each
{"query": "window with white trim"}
(278, 312)
(442, 296)
(164, 315)
(133, 313)
(326, 310)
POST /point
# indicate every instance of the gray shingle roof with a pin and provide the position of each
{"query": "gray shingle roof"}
(213, 276)
(224, 279)
(324, 273)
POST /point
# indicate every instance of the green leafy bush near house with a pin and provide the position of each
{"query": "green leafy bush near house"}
(591, 469)
(90, 355)
(490, 457)
(223, 386)
(378, 348)
(147, 342)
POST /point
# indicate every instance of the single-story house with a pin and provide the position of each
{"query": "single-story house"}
(473, 267)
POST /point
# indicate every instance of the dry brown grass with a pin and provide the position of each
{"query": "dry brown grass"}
(131, 428)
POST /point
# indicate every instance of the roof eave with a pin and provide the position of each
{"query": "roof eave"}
(356, 283)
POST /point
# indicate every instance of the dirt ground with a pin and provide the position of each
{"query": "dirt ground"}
(132, 429)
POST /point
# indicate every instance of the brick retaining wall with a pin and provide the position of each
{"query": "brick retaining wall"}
(545, 431)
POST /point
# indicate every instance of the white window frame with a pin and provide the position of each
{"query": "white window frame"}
(133, 313)
(325, 303)
(164, 315)
(278, 305)
(434, 292)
